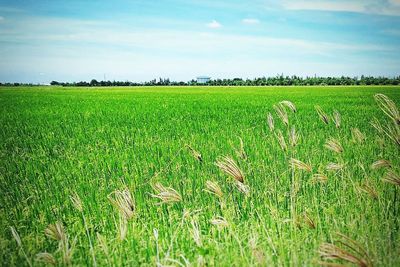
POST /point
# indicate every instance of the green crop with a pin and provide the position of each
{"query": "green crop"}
(201, 176)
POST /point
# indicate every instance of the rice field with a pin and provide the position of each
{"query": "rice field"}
(191, 176)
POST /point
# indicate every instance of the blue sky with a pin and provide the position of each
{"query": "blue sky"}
(133, 40)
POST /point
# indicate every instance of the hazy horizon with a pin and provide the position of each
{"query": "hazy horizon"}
(41, 41)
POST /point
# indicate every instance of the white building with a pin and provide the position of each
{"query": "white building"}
(203, 79)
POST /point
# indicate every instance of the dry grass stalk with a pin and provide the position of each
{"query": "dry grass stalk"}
(219, 222)
(368, 189)
(196, 233)
(103, 243)
(270, 121)
(19, 243)
(332, 166)
(165, 194)
(195, 153)
(122, 228)
(245, 189)
(388, 107)
(281, 140)
(334, 145)
(229, 166)
(337, 118)
(293, 137)
(299, 165)
(377, 125)
(241, 153)
(322, 115)
(214, 188)
(358, 136)
(46, 258)
(123, 201)
(349, 251)
(308, 221)
(319, 177)
(76, 201)
(289, 104)
(55, 231)
(281, 112)
(382, 163)
(392, 178)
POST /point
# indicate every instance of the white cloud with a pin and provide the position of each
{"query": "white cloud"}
(1, 18)
(214, 24)
(250, 21)
(391, 8)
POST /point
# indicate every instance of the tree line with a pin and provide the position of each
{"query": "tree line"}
(279, 80)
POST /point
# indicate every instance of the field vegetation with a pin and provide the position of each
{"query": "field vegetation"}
(200, 176)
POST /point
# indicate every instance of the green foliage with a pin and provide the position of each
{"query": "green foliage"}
(64, 154)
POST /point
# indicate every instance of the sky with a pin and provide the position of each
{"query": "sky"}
(45, 40)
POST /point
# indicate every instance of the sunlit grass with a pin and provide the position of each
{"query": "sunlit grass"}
(216, 176)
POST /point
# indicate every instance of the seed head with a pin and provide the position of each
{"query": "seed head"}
(229, 166)
(165, 194)
(214, 188)
(123, 201)
(322, 115)
(299, 165)
(334, 145)
(289, 104)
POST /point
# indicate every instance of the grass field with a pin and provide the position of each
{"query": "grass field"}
(70, 155)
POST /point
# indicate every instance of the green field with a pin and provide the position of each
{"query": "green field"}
(92, 144)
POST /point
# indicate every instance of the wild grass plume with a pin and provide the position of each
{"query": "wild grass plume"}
(229, 166)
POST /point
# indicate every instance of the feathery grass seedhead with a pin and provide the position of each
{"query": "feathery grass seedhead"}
(165, 194)
(388, 107)
(391, 130)
(382, 163)
(56, 231)
(282, 114)
(195, 153)
(293, 137)
(19, 243)
(245, 189)
(334, 145)
(358, 136)
(392, 178)
(289, 104)
(270, 121)
(308, 221)
(229, 166)
(368, 189)
(196, 233)
(299, 165)
(319, 177)
(377, 125)
(322, 115)
(123, 201)
(349, 251)
(219, 222)
(337, 118)
(214, 188)
(16, 236)
(46, 258)
(76, 201)
(281, 140)
(332, 166)
(103, 243)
